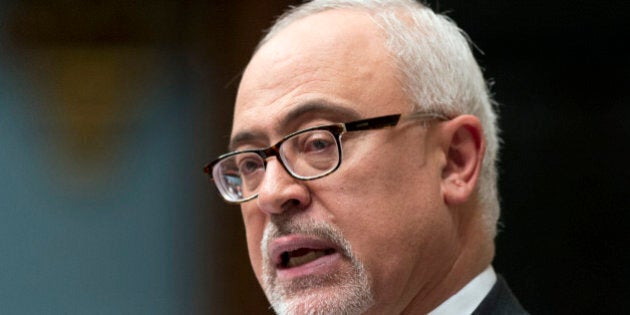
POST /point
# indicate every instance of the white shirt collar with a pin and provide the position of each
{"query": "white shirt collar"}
(466, 300)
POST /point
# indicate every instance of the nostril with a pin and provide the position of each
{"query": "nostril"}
(291, 204)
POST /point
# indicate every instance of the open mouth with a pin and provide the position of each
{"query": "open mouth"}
(293, 252)
(302, 256)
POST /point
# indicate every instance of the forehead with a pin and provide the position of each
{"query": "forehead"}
(331, 60)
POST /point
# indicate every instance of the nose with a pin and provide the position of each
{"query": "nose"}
(279, 191)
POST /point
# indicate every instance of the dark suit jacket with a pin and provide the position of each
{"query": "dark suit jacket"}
(500, 301)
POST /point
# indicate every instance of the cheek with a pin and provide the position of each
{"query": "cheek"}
(380, 185)
(389, 208)
(396, 239)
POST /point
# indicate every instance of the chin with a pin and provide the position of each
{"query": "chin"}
(322, 301)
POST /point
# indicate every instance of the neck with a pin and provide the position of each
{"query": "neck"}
(475, 255)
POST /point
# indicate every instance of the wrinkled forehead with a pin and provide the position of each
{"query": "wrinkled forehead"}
(336, 57)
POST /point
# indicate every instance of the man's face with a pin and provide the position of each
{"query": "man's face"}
(374, 234)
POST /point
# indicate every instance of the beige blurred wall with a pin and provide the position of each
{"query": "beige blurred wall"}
(90, 64)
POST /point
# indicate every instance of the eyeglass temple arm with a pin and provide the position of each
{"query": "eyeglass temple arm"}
(373, 123)
(425, 115)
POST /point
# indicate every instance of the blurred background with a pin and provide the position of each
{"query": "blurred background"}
(110, 109)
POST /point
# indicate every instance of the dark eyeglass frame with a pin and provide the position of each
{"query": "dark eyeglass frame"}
(337, 130)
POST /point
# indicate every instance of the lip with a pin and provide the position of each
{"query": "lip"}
(321, 265)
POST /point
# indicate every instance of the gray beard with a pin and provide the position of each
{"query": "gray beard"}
(343, 292)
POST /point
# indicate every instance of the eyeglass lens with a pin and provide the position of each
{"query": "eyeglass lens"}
(305, 155)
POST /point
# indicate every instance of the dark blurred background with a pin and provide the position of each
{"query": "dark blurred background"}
(109, 110)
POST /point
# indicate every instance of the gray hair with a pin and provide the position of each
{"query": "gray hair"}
(439, 72)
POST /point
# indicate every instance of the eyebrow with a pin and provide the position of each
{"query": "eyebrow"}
(319, 108)
(245, 137)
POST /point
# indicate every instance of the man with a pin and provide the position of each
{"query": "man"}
(363, 159)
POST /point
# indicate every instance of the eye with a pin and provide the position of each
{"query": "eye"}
(249, 165)
(317, 142)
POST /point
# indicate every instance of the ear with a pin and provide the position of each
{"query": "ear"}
(464, 147)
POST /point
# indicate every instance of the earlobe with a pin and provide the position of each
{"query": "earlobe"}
(464, 147)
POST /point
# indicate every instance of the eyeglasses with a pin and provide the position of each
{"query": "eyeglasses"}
(306, 154)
